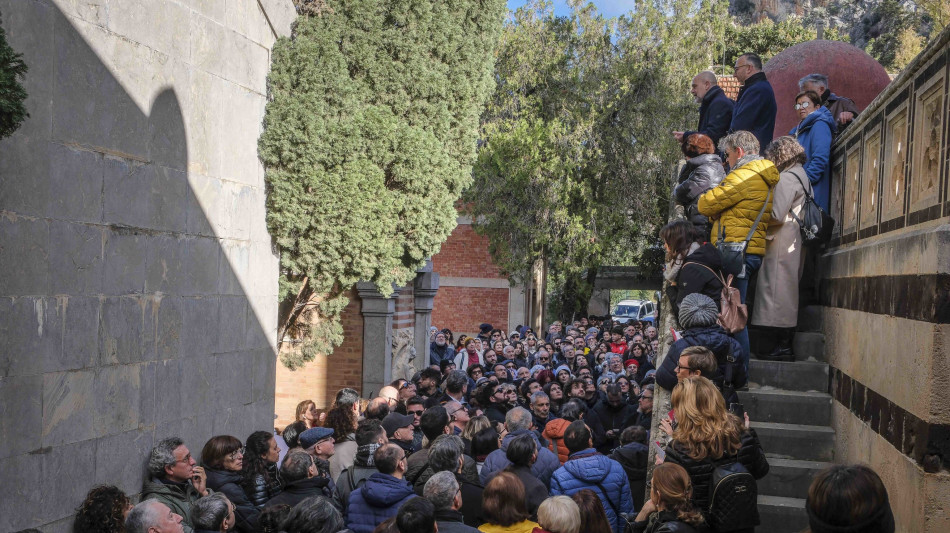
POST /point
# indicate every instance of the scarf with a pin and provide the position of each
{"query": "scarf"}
(673, 267)
(364, 455)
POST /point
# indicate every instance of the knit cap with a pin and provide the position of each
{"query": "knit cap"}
(697, 311)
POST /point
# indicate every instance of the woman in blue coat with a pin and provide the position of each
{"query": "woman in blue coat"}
(814, 133)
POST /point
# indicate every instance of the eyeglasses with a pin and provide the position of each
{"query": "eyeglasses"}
(234, 455)
(680, 367)
(642, 397)
(405, 385)
(416, 412)
(737, 67)
(803, 105)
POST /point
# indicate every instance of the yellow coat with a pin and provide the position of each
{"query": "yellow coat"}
(737, 201)
(526, 526)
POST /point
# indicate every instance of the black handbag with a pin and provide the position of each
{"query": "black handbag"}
(816, 225)
(732, 254)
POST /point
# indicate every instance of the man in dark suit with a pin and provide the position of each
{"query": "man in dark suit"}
(755, 107)
(715, 111)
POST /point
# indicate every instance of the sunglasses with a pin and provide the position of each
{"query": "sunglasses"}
(803, 105)
(416, 413)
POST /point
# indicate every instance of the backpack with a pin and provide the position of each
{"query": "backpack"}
(734, 313)
(815, 224)
(733, 498)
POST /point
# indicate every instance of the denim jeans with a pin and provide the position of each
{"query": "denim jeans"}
(752, 264)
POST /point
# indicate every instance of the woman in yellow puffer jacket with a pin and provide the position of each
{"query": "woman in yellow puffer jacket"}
(736, 202)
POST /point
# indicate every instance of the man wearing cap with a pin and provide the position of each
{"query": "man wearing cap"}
(440, 350)
(400, 431)
(484, 332)
(318, 442)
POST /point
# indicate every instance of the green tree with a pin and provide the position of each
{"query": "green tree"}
(938, 12)
(369, 137)
(574, 168)
(891, 45)
(12, 94)
(768, 38)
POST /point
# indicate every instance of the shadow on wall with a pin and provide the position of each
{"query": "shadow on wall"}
(122, 321)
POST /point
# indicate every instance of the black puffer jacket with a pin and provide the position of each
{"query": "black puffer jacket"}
(633, 458)
(229, 483)
(664, 522)
(700, 472)
(260, 488)
(698, 175)
(694, 277)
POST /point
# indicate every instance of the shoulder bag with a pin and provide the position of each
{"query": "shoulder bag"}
(733, 253)
(815, 224)
(734, 314)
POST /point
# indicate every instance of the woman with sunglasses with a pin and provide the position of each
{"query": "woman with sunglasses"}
(815, 133)
(223, 459)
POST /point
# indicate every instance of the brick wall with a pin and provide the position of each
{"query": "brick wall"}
(462, 309)
(465, 254)
(405, 314)
(320, 379)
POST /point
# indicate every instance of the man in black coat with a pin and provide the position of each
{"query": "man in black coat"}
(445, 493)
(613, 413)
(715, 110)
(299, 474)
(632, 456)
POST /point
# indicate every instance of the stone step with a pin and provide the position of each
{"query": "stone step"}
(789, 478)
(789, 407)
(796, 441)
(798, 375)
(809, 346)
(782, 515)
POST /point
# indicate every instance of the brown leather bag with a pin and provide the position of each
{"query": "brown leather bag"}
(733, 314)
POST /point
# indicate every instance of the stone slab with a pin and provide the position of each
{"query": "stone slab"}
(69, 413)
(30, 328)
(24, 256)
(21, 405)
(75, 258)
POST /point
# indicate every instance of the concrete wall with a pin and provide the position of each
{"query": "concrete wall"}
(138, 286)
(885, 289)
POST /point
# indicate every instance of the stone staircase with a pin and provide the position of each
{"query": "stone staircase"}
(790, 408)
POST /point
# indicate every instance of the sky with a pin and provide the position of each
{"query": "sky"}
(608, 8)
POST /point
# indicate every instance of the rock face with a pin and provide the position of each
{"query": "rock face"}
(851, 72)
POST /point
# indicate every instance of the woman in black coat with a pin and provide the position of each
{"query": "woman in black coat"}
(669, 509)
(261, 477)
(707, 436)
(703, 171)
(223, 459)
(690, 265)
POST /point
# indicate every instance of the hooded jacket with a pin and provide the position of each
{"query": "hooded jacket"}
(376, 501)
(554, 434)
(755, 109)
(698, 175)
(229, 483)
(633, 458)
(715, 115)
(496, 461)
(588, 469)
(179, 497)
(694, 276)
(719, 343)
(815, 133)
(738, 200)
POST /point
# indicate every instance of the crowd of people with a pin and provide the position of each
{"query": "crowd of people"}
(743, 191)
(549, 432)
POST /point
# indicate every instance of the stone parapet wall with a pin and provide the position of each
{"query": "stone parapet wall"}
(138, 294)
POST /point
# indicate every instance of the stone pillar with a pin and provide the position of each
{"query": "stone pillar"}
(425, 288)
(377, 313)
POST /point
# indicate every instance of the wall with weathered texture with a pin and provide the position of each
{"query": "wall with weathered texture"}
(885, 289)
(137, 281)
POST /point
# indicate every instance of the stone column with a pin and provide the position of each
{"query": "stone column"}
(425, 287)
(377, 313)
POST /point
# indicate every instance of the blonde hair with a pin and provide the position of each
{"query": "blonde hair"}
(560, 514)
(704, 427)
(672, 488)
(475, 424)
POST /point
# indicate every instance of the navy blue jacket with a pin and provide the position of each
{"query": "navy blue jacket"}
(719, 343)
(715, 115)
(497, 461)
(376, 501)
(755, 110)
(588, 469)
(815, 133)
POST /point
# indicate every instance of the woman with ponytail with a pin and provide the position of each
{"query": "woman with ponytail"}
(669, 509)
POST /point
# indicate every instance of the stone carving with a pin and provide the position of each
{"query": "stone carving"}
(895, 159)
(869, 180)
(929, 132)
(851, 189)
(404, 353)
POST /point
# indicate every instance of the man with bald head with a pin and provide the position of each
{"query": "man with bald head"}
(153, 515)
(715, 110)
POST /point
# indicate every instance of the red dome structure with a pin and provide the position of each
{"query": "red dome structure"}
(851, 72)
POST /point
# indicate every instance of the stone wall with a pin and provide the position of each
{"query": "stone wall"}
(885, 291)
(138, 287)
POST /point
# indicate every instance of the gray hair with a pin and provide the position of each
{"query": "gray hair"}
(441, 489)
(143, 516)
(739, 139)
(314, 515)
(210, 512)
(540, 395)
(518, 418)
(456, 381)
(819, 79)
(295, 466)
(571, 411)
(445, 452)
(709, 76)
(162, 455)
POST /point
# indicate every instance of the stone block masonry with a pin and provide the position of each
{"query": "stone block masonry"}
(138, 288)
